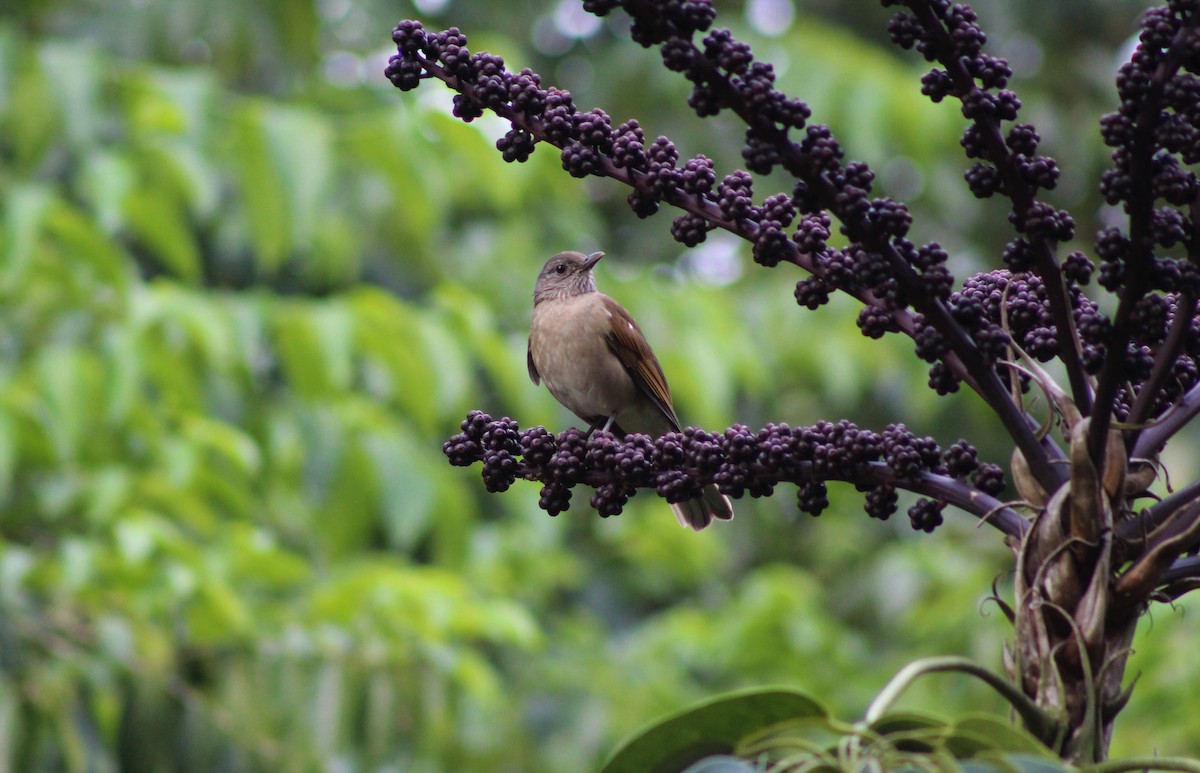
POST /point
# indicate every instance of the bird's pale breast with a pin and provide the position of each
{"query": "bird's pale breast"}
(567, 339)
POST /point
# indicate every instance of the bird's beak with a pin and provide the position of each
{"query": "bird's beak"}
(592, 260)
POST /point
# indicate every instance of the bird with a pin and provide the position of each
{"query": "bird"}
(594, 359)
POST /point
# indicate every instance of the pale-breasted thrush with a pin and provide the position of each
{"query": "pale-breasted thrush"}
(596, 362)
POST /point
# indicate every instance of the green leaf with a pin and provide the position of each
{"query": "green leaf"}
(723, 763)
(471, 147)
(398, 165)
(712, 727)
(164, 103)
(217, 613)
(68, 380)
(177, 170)
(388, 334)
(448, 359)
(352, 503)
(910, 731)
(74, 70)
(227, 441)
(255, 555)
(314, 345)
(105, 179)
(267, 214)
(107, 493)
(201, 320)
(974, 733)
(83, 241)
(28, 117)
(8, 454)
(867, 82)
(26, 207)
(299, 142)
(1029, 764)
(123, 373)
(407, 476)
(470, 319)
(159, 222)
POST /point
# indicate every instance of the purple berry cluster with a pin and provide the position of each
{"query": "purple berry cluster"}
(1152, 264)
(739, 461)
(1131, 364)
(1091, 558)
(905, 287)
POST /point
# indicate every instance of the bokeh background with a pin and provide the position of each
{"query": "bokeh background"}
(246, 291)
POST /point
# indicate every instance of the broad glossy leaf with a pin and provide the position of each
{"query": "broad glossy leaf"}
(474, 149)
(174, 103)
(227, 494)
(448, 359)
(178, 169)
(137, 535)
(78, 561)
(8, 58)
(171, 494)
(708, 728)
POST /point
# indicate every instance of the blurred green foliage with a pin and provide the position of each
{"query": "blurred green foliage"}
(247, 289)
(773, 729)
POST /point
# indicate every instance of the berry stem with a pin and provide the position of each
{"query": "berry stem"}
(697, 205)
(967, 362)
(1022, 194)
(1140, 208)
(1164, 361)
(1183, 576)
(1135, 530)
(1152, 439)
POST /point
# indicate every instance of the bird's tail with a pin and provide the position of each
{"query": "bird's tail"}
(700, 512)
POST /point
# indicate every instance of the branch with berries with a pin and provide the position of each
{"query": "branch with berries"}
(677, 465)
(1133, 377)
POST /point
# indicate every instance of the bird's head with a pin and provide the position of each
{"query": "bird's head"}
(566, 275)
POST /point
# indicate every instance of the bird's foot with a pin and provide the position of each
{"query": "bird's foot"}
(604, 424)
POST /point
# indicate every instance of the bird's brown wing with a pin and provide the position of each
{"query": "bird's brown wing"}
(534, 376)
(625, 339)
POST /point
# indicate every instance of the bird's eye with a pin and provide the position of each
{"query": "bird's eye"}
(561, 268)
